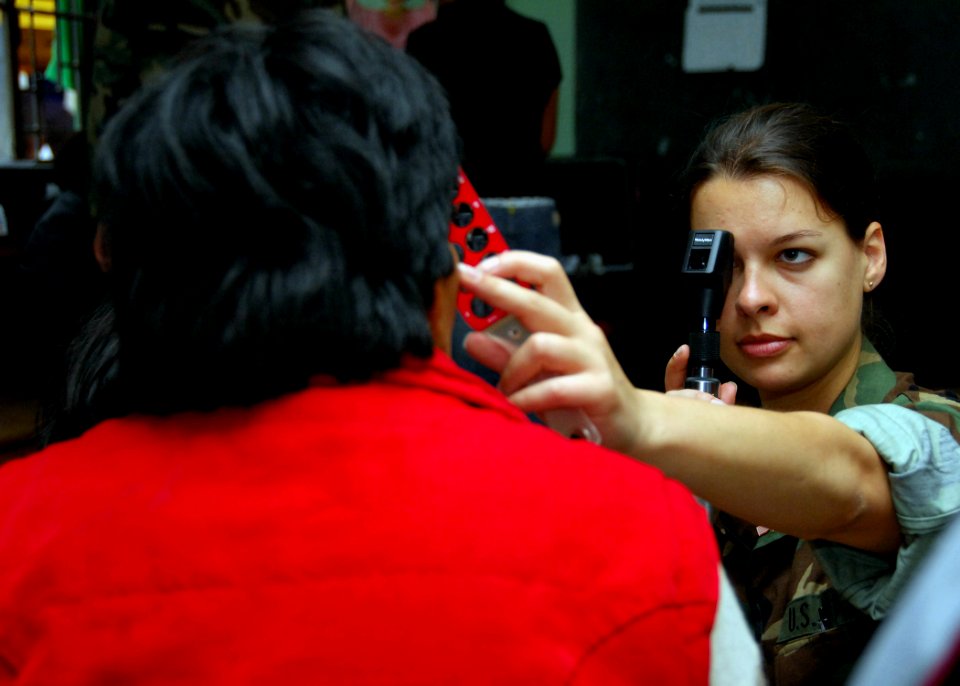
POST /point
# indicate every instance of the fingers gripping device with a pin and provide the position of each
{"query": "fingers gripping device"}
(475, 238)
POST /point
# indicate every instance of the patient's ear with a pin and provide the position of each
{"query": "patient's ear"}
(443, 312)
(101, 248)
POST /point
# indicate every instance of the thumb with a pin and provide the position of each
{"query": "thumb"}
(676, 372)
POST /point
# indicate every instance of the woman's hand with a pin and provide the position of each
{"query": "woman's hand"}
(755, 464)
(676, 375)
(566, 362)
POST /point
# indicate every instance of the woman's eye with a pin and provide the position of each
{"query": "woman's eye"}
(795, 256)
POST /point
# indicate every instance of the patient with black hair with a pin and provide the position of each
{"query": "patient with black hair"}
(268, 468)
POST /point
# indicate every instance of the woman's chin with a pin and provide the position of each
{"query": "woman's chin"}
(767, 379)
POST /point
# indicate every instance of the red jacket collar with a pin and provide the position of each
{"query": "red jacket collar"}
(441, 374)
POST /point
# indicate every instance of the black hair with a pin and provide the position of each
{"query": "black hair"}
(795, 140)
(275, 207)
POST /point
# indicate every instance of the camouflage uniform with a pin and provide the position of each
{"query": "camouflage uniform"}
(809, 633)
(135, 39)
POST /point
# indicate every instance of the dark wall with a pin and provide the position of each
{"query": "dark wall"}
(889, 68)
(23, 198)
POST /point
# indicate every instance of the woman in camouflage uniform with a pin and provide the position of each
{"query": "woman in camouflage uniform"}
(824, 505)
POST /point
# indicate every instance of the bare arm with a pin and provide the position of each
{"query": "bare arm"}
(801, 473)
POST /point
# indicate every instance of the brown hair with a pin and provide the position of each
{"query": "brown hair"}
(795, 140)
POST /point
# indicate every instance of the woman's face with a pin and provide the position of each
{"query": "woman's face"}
(791, 321)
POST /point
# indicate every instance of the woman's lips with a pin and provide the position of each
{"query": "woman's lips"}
(763, 346)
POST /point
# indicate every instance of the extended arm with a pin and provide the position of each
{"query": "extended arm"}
(801, 473)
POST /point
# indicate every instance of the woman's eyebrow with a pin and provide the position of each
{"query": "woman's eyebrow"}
(796, 235)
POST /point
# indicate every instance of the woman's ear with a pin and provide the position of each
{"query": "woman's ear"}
(101, 248)
(875, 252)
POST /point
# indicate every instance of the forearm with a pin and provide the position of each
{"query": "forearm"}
(801, 473)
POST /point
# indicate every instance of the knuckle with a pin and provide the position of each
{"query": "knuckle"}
(538, 344)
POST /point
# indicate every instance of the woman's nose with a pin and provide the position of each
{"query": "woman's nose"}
(754, 294)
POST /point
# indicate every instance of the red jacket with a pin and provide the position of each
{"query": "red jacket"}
(416, 529)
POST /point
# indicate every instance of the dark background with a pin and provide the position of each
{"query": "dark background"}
(889, 68)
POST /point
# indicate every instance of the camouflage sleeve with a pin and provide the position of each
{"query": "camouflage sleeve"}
(924, 462)
(920, 637)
